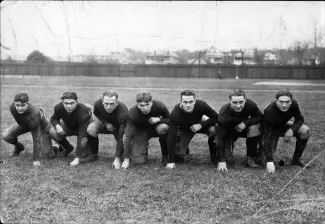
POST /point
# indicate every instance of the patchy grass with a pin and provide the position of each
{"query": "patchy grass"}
(193, 193)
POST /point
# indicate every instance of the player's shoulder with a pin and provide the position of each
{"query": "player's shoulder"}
(123, 106)
(58, 106)
(270, 106)
(98, 102)
(251, 103)
(158, 103)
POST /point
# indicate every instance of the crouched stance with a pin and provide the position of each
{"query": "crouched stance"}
(110, 116)
(276, 123)
(29, 119)
(238, 119)
(147, 119)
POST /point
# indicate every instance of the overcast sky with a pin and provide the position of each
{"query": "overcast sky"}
(58, 29)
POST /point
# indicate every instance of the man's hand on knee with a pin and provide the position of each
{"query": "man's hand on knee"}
(59, 130)
(288, 135)
(110, 127)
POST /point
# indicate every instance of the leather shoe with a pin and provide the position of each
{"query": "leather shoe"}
(251, 163)
(297, 162)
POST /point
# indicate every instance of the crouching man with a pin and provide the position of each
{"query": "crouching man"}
(147, 119)
(238, 119)
(71, 118)
(276, 123)
(110, 116)
(189, 117)
(29, 119)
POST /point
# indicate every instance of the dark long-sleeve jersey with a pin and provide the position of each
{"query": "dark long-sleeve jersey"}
(179, 119)
(78, 120)
(185, 120)
(31, 119)
(141, 120)
(229, 119)
(274, 118)
(117, 118)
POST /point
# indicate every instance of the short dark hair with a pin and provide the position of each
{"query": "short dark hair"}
(110, 93)
(21, 97)
(187, 92)
(143, 96)
(69, 95)
(237, 92)
(283, 93)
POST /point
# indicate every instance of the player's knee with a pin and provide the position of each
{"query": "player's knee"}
(92, 131)
(84, 142)
(162, 129)
(212, 131)
(6, 135)
(253, 131)
(304, 132)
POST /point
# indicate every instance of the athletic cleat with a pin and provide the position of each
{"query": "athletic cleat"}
(18, 149)
(179, 158)
(53, 152)
(251, 163)
(164, 159)
(68, 151)
(297, 162)
(90, 158)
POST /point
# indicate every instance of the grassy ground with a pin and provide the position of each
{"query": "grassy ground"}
(193, 193)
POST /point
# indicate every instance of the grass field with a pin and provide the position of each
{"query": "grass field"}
(192, 193)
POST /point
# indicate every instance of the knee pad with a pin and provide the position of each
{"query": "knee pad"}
(304, 132)
(253, 131)
(162, 129)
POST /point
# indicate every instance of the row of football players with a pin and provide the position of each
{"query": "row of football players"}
(132, 128)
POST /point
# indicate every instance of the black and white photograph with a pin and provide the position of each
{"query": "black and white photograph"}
(145, 112)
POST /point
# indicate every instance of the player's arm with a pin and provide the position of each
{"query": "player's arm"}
(165, 118)
(55, 118)
(171, 142)
(35, 126)
(98, 114)
(128, 135)
(299, 119)
(82, 132)
(211, 113)
(256, 117)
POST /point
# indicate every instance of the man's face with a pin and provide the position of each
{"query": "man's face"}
(187, 103)
(70, 105)
(21, 107)
(237, 103)
(110, 103)
(145, 107)
(284, 103)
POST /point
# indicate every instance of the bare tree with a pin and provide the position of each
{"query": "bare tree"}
(299, 48)
(316, 40)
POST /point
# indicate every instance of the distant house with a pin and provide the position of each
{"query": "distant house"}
(307, 59)
(197, 61)
(113, 57)
(270, 58)
(240, 57)
(162, 57)
(214, 56)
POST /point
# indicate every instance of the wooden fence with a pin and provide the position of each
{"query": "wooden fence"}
(188, 71)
